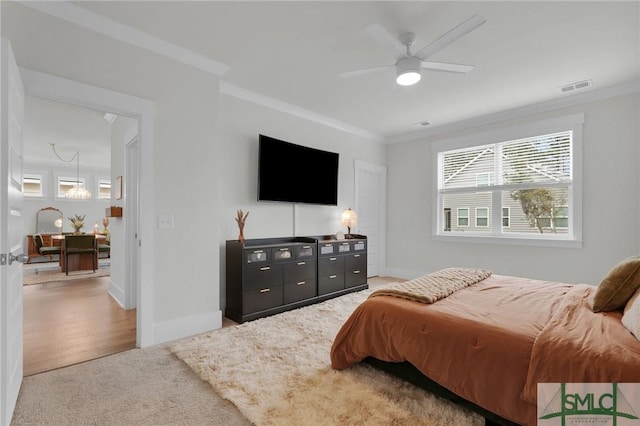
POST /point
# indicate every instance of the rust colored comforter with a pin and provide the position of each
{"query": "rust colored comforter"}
(492, 342)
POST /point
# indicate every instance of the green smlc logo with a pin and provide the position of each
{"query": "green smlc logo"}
(613, 404)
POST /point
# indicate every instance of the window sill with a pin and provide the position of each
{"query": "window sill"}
(508, 240)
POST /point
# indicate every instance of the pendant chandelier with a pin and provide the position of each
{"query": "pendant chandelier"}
(78, 192)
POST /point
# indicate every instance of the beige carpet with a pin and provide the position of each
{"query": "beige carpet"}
(276, 370)
(142, 387)
(40, 273)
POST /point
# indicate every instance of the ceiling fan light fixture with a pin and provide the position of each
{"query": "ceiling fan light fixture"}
(408, 71)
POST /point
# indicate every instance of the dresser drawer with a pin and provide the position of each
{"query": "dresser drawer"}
(330, 283)
(307, 251)
(262, 276)
(264, 298)
(301, 290)
(355, 262)
(299, 271)
(330, 265)
(354, 277)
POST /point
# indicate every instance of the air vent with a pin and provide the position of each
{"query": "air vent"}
(576, 86)
(421, 124)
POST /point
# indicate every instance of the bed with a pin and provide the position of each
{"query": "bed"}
(489, 343)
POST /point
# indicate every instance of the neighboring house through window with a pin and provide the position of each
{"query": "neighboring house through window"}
(533, 178)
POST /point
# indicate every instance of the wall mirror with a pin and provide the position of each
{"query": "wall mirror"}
(49, 221)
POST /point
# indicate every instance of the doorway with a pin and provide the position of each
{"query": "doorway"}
(63, 90)
(76, 317)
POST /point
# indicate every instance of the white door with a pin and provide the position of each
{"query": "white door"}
(11, 238)
(370, 206)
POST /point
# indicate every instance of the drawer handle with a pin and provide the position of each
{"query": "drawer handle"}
(306, 247)
(284, 249)
(356, 255)
(302, 263)
(301, 283)
(333, 259)
(332, 277)
(265, 290)
(265, 268)
(356, 272)
(258, 251)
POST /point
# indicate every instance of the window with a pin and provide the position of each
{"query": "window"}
(463, 217)
(482, 217)
(531, 179)
(506, 215)
(484, 179)
(65, 184)
(32, 185)
(104, 189)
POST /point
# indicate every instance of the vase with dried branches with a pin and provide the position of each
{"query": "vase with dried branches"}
(241, 217)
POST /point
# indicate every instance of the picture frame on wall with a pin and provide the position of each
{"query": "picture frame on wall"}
(118, 188)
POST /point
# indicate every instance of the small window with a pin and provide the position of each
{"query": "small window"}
(561, 217)
(32, 185)
(67, 183)
(463, 217)
(506, 216)
(104, 189)
(482, 217)
(484, 179)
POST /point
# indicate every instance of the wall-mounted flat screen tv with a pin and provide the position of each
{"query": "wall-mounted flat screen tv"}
(296, 174)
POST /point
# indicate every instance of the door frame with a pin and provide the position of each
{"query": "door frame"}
(59, 89)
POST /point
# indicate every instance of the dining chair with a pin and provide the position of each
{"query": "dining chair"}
(45, 250)
(80, 244)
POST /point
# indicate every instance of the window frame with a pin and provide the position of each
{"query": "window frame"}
(30, 175)
(62, 177)
(468, 217)
(482, 217)
(573, 238)
(99, 180)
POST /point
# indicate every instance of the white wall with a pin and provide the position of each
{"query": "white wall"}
(242, 121)
(185, 152)
(611, 203)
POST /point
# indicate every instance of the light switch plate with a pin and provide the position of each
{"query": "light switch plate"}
(165, 221)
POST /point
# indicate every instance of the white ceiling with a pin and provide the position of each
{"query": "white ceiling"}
(293, 52)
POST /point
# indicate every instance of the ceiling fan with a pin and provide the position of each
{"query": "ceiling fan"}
(408, 64)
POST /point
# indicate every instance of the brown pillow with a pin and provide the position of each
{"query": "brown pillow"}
(618, 286)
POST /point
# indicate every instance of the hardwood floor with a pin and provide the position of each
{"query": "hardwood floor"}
(70, 322)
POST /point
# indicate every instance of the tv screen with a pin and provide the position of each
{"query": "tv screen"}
(296, 174)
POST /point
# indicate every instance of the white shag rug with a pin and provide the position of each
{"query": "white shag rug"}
(277, 371)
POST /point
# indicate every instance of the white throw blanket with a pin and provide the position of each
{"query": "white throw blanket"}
(435, 286)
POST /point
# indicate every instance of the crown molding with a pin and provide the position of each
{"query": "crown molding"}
(577, 99)
(92, 21)
(267, 101)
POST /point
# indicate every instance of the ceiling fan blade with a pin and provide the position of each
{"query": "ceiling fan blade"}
(446, 39)
(440, 66)
(384, 39)
(365, 71)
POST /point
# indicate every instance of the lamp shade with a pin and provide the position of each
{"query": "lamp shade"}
(349, 219)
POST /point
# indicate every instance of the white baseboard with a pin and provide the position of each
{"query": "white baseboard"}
(117, 293)
(185, 327)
